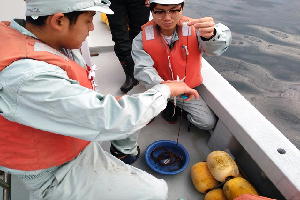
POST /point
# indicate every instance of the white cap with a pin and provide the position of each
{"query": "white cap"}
(169, 2)
(37, 8)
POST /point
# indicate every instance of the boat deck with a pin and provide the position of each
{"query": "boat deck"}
(195, 140)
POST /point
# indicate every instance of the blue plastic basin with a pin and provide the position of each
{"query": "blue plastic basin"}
(170, 146)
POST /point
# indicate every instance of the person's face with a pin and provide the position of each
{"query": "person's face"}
(76, 33)
(167, 17)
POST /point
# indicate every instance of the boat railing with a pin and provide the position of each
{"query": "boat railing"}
(242, 126)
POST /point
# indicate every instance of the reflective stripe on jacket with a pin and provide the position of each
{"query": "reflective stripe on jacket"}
(27, 148)
(182, 60)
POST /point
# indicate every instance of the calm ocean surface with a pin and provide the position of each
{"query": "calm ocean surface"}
(263, 61)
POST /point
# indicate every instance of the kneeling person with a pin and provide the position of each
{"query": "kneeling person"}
(170, 47)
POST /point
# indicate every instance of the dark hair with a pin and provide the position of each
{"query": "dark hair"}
(40, 21)
(152, 5)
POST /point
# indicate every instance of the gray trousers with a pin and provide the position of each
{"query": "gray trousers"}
(199, 114)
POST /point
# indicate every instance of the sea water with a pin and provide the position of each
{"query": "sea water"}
(263, 61)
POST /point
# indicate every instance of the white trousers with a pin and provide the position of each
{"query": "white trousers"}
(127, 145)
(97, 175)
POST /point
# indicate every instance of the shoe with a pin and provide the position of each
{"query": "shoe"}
(168, 113)
(129, 83)
(126, 158)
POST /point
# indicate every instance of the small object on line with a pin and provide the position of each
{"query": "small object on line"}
(184, 96)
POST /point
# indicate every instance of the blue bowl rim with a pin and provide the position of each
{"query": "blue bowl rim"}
(151, 146)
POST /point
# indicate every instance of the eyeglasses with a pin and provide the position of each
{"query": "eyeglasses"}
(162, 13)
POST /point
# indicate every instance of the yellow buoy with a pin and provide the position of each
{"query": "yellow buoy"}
(216, 194)
(236, 187)
(221, 165)
(202, 178)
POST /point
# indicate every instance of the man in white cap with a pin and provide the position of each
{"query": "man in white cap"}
(52, 119)
(170, 47)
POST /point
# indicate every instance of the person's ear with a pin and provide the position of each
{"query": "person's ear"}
(57, 21)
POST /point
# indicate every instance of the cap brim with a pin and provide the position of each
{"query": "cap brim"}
(103, 9)
(167, 2)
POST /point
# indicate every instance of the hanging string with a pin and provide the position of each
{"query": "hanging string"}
(180, 122)
(186, 63)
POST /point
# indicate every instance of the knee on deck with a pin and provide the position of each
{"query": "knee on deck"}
(206, 123)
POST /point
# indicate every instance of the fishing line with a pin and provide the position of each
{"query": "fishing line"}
(164, 156)
(186, 63)
(181, 118)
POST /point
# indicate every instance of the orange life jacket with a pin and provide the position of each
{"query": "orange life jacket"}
(183, 59)
(23, 147)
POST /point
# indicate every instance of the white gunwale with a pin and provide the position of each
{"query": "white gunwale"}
(258, 136)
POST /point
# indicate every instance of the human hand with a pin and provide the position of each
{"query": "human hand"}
(205, 26)
(178, 88)
(147, 3)
(118, 97)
